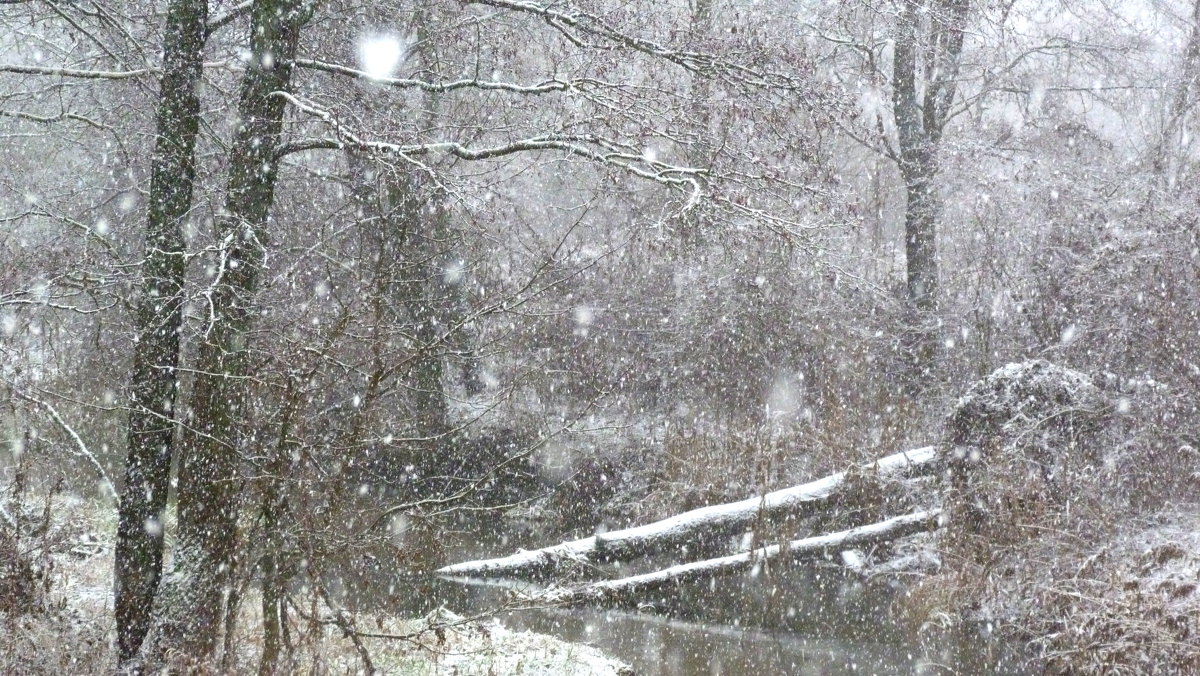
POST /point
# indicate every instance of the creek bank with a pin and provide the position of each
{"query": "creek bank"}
(63, 622)
(1054, 531)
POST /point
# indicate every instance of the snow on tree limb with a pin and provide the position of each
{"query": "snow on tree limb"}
(81, 450)
(591, 31)
(636, 586)
(76, 72)
(218, 21)
(545, 87)
(85, 74)
(683, 529)
(588, 146)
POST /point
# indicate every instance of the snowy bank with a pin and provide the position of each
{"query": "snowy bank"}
(69, 628)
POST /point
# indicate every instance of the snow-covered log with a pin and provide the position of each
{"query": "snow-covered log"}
(636, 587)
(682, 530)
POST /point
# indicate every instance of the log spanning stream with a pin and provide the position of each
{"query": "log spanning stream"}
(787, 608)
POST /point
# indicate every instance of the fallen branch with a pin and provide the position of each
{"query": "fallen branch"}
(636, 587)
(690, 528)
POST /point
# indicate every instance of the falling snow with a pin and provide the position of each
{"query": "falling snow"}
(597, 337)
(380, 55)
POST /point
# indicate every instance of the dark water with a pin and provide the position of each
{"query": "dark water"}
(798, 621)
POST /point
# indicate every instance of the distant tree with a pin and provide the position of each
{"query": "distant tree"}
(925, 73)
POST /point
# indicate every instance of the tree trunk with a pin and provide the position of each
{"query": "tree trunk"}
(188, 612)
(415, 217)
(635, 589)
(690, 530)
(274, 508)
(917, 164)
(921, 114)
(139, 547)
(1181, 103)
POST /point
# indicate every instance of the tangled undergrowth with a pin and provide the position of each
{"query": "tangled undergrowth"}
(1057, 532)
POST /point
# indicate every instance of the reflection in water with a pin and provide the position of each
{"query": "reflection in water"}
(798, 621)
(711, 633)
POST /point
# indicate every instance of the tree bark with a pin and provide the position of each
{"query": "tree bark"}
(690, 529)
(418, 223)
(921, 114)
(150, 436)
(635, 588)
(187, 616)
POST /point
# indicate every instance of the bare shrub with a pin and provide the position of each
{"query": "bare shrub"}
(48, 628)
(25, 567)
(1051, 477)
(702, 467)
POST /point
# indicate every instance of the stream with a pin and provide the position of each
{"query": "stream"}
(794, 621)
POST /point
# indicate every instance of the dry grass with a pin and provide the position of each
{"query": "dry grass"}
(1127, 607)
(56, 609)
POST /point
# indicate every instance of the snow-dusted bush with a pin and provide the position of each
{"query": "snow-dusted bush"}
(1022, 441)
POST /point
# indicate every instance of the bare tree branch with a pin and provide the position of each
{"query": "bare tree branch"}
(545, 87)
(219, 21)
(81, 449)
(587, 146)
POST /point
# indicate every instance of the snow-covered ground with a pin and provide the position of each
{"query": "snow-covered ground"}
(487, 648)
(72, 631)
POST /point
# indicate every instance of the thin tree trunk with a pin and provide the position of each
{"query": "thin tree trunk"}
(274, 511)
(1180, 104)
(272, 582)
(188, 614)
(139, 548)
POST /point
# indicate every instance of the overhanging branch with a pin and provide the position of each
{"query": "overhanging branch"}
(588, 146)
(545, 87)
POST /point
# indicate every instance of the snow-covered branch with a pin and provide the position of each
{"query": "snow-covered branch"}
(83, 74)
(635, 587)
(81, 450)
(588, 146)
(49, 119)
(545, 87)
(77, 73)
(686, 529)
(218, 21)
(581, 28)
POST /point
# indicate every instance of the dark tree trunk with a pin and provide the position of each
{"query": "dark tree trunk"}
(918, 156)
(188, 612)
(921, 114)
(139, 548)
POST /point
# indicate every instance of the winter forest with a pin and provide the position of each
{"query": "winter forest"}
(599, 337)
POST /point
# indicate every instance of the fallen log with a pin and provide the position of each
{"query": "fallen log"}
(636, 588)
(687, 529)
